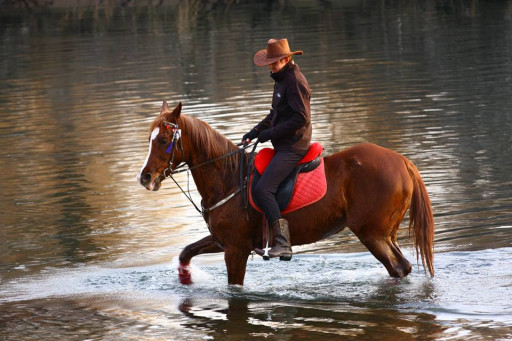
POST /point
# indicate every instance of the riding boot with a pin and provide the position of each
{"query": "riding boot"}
(282, 247)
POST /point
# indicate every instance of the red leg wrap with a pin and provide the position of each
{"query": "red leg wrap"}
(184, 274)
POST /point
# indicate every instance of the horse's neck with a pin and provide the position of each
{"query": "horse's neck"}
(212, 182)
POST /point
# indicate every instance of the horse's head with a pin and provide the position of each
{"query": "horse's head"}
(164, 148)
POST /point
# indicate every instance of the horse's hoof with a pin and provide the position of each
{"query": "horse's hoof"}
(184, 274)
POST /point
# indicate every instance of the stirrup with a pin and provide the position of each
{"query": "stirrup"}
(263, 252)
(266, 249)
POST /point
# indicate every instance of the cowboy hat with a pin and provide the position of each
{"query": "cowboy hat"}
(276, 50)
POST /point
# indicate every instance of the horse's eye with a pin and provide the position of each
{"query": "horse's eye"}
(163, 141)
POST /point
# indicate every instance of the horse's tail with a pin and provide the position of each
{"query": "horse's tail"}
(421, 220)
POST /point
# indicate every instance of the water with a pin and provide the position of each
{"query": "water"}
(87, 253)
(320, 296)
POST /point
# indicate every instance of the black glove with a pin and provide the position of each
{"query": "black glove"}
(265, 135)
(250, 136)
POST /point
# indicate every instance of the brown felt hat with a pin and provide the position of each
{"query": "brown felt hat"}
(276, 50)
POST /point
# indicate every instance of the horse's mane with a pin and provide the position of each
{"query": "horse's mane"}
(212, 143)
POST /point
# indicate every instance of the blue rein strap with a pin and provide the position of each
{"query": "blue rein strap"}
(175, 136)
(168, 150)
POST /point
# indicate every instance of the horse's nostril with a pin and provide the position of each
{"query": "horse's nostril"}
(145, 178)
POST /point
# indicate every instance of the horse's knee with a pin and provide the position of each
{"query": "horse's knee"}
(205, 245)
(185, 255)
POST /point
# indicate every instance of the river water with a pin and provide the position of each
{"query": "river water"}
(86, 253)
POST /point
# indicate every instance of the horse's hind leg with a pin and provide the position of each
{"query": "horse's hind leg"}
(386, 250)
(205, 245)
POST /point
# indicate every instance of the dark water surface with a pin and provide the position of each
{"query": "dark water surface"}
(87, 253)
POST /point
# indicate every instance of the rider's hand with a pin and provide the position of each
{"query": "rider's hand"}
(246, 139)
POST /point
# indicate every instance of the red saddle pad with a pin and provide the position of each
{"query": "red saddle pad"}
(309, 188)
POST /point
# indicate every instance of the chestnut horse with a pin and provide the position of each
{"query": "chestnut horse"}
(369, 190)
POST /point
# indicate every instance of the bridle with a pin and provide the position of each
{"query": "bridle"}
(176, 142)
(175, 138)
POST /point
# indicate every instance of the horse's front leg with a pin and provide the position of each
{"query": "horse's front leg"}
(205, 245)
(236, 263)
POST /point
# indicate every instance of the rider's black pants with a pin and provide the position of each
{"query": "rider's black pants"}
(265, 190)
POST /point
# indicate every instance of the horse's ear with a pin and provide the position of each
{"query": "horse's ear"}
(165, 107)
(177, 111)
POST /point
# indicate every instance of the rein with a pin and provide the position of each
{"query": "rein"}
(176, 137)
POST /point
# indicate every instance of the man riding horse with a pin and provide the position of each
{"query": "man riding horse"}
(288, 127)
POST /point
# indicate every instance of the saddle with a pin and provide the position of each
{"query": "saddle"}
(305, 185)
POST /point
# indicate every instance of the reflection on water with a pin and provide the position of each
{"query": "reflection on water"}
(319, 297)
(80, 86)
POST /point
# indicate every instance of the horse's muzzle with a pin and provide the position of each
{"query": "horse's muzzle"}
(147, 181)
